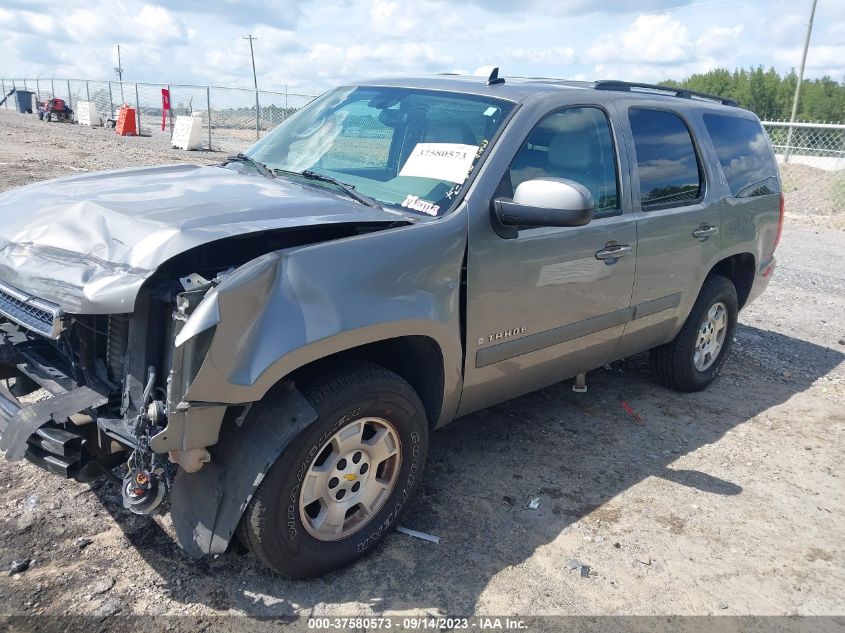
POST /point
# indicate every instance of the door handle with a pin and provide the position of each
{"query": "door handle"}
(705, 231)
(614, 251)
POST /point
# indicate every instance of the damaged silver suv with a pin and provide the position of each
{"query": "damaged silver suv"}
(268, 343)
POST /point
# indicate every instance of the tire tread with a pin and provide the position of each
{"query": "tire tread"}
(318, 386)
(670, 363)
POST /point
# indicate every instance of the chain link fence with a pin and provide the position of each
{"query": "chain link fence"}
(231, 117)
(816, 144)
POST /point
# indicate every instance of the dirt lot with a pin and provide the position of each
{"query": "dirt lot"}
(729, 501)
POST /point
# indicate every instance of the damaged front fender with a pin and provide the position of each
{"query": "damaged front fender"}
(288, 308)
(206, 506)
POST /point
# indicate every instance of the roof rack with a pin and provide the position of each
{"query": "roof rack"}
(629, 86)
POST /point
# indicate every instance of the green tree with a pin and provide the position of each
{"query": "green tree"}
(769, 94)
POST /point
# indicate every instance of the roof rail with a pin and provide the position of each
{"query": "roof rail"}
(630, 86)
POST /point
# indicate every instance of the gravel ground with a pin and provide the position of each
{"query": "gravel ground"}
(728, 501)
(814, 197)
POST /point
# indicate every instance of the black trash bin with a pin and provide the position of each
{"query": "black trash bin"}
(24, 98)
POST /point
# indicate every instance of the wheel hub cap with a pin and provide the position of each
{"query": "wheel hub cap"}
(711, 336)
(350, 479)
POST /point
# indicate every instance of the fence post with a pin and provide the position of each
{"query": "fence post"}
(137, 108)
(208, 109)
(37, 91)
(24, 84)
(111, 103)
(52, 89)
(5, 98)
(69, 95)
(87, 91)
(257, 115)
(788, 144)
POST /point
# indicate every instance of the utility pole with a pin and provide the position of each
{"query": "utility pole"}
(255, 82)
(800, 79)
(119, 72)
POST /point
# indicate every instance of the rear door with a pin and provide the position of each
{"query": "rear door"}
(678, 221)
(548, 302)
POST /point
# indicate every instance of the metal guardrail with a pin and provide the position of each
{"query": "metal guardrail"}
(231, 117)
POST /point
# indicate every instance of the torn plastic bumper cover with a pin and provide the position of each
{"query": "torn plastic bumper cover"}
(206, 506)
(18, 423)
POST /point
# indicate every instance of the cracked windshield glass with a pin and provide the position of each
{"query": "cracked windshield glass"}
(405, 148)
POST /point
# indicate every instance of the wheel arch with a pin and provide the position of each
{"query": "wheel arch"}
(415, 358)
(740, 269)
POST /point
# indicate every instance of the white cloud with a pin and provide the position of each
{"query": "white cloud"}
(718, 39)
(310, 45)
(654, 39)
(554, 55)
(826, 58)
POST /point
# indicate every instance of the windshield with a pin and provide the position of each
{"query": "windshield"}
(403, 147)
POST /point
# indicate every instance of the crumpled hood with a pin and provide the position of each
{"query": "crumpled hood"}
(88, 242)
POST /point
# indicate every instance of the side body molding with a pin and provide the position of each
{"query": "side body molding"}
(291, 307)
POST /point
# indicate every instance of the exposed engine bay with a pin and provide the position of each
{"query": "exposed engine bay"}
(117, 383)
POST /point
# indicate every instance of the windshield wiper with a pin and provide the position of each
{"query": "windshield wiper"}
(349, 190)
(261, 168)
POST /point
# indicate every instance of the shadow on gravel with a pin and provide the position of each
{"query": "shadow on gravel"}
(576, 452)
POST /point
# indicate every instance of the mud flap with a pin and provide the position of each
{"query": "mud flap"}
(206, 506)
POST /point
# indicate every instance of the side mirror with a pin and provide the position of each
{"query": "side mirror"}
(546, 202)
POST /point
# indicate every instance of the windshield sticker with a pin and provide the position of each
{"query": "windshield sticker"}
(454, 191)
(418, 204)
(442, 161)
(491, 111)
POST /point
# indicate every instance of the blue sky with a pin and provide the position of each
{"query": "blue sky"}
(311, 45)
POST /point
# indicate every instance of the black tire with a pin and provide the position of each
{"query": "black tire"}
(271, 526)
(672, 364)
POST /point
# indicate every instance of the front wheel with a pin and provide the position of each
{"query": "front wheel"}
(693, 359)
(341, 484)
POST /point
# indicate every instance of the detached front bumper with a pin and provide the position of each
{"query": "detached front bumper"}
(40, 431)
(9, 408)
(30, 431)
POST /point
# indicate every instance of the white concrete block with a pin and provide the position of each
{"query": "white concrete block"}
(187, 133)
(86, 113)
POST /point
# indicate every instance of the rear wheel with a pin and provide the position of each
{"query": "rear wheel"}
(693, 359)
(342, 483)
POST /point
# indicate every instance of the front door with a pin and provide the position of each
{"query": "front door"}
(549, 303)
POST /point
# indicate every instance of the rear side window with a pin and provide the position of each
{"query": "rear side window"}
(666, 160)
(745, 155)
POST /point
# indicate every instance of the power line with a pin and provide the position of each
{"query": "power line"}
(679, 7)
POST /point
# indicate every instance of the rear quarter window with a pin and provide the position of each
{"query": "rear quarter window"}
(745, 155)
